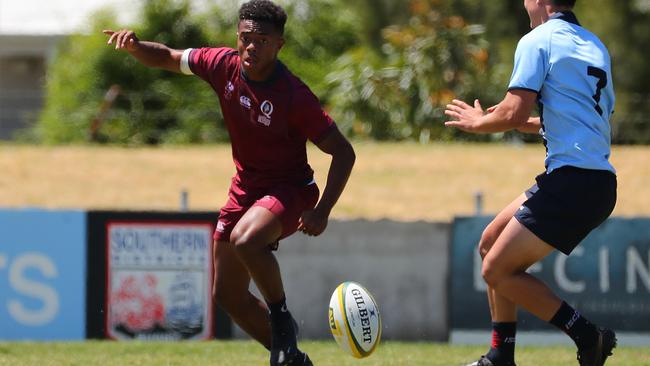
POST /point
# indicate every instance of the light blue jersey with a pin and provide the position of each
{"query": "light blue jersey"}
(569, 68)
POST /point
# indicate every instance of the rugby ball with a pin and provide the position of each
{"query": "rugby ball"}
(354, 319)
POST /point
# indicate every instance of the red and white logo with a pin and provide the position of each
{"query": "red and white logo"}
(221, 226)
(136, 305)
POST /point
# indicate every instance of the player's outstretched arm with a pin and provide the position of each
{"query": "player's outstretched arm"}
(512, 113)
(150, 54)
(314, 222)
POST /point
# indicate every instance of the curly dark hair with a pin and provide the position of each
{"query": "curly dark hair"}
(264, 11)
(569, 3)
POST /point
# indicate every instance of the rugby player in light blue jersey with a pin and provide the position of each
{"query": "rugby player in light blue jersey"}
(566, 70)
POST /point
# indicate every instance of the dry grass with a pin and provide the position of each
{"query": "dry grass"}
(397, 181)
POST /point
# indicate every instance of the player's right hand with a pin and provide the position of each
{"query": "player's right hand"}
(124, 39)
(313, 222)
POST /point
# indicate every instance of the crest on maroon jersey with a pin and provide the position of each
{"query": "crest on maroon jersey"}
(266, 108)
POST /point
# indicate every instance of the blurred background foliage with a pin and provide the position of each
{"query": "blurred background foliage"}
(384, 69)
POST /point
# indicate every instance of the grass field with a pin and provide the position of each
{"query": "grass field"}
(396, 181)
(240, 353)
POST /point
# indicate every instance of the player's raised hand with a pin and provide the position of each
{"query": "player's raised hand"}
(464, 115)
(123, 39)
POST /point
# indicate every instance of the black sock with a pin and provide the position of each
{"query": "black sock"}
(502, 351)
(282, 328)
(569, 320)
(278, 311)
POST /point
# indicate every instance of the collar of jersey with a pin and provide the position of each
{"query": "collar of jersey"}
(274, 76)
(567, 16)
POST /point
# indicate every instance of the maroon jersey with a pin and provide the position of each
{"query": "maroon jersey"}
(269, 122)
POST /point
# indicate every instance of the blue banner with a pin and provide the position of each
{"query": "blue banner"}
(42, 275)
(607, 277)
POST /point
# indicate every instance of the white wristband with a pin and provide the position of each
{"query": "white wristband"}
(185, 62)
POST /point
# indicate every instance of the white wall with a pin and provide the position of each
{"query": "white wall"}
(404, 265)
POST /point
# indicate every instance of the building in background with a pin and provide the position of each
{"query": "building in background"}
(23, 61)
(29, 32)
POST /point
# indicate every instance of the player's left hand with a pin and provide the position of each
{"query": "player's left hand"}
(313, 222)
(464, 115)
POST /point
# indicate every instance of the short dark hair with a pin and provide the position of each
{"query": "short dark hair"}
(264, 11)
(569, 3)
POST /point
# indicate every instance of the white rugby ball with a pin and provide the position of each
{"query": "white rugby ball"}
(354, 319)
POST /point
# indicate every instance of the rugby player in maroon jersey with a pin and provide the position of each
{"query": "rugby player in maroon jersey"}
(270, 114)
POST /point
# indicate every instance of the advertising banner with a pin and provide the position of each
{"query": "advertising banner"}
(42, 275)
(607, 277)
(159, 280)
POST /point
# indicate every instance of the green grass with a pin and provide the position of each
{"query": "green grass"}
(215, 353)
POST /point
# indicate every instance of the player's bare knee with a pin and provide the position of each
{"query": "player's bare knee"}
(242, 241)
(491, 273)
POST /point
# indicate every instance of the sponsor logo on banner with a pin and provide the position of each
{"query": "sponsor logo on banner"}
(608, 275)
(42, 277)
(159, 281)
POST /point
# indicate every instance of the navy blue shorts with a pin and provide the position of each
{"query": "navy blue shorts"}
(567, 204)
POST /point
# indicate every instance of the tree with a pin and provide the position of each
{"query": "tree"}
(624, 26)
(156, 106)
(153, 105)
(424, 64)
(384, 68)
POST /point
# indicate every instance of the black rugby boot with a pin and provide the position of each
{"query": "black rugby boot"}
(597, 355)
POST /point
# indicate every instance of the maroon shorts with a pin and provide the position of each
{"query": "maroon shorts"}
(287, 202)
